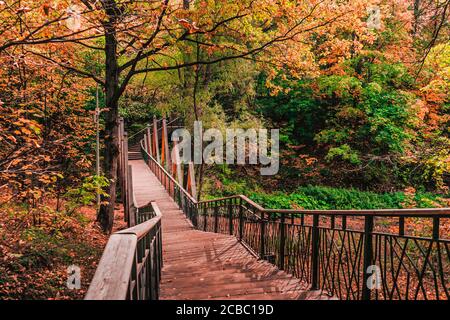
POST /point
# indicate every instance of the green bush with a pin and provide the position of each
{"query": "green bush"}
(325, 198)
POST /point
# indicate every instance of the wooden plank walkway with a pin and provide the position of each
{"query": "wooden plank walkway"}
(206, 266)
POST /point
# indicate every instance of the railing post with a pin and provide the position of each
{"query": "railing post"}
(149, 140)
(436, 227)
(216, 219)
(195, 218)
(121, 159)
(205, 217)
(262, 248)
(156, 140)
(368, 255)
(166, 147)
(401, 226)
(125, 178)
(230, 215)
(282, 241)
(241, 220)
(315, 253)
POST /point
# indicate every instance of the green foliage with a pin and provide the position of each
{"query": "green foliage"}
(325, 198)
(345, 152)
(86, 193)
(363, 118)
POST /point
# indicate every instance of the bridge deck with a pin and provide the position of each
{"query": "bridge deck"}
(200, 265)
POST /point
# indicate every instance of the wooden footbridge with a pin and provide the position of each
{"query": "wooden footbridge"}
(180, 249)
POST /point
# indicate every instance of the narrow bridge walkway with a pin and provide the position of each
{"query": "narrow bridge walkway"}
(200, 265)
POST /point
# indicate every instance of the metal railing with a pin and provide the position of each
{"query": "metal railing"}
(353, 255)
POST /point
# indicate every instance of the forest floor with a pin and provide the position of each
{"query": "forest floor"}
(37, 248)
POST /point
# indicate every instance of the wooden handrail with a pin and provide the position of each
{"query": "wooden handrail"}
(116, 277)
(141, 230)
(423, 213)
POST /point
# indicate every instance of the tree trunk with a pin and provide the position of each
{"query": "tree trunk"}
(111, 152)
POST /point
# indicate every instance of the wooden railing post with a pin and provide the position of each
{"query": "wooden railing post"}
(130, 203)
(145, 142)
(368, 255)
(315, 253)
(166, 146)
(125, 178)
(156, 140)
(121, 159)
(191, 184)
(282, 241)
(149, 140)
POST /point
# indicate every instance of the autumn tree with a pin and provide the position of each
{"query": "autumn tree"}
(44, 128)
(138, 37)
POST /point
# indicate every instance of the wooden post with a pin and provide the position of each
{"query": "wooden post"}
(126, 182)
(121, 159)
(177, 170)
(165, 145)
(145, 142)
(131, 208)
(156, 140)
(149, 141)
(191, 187)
